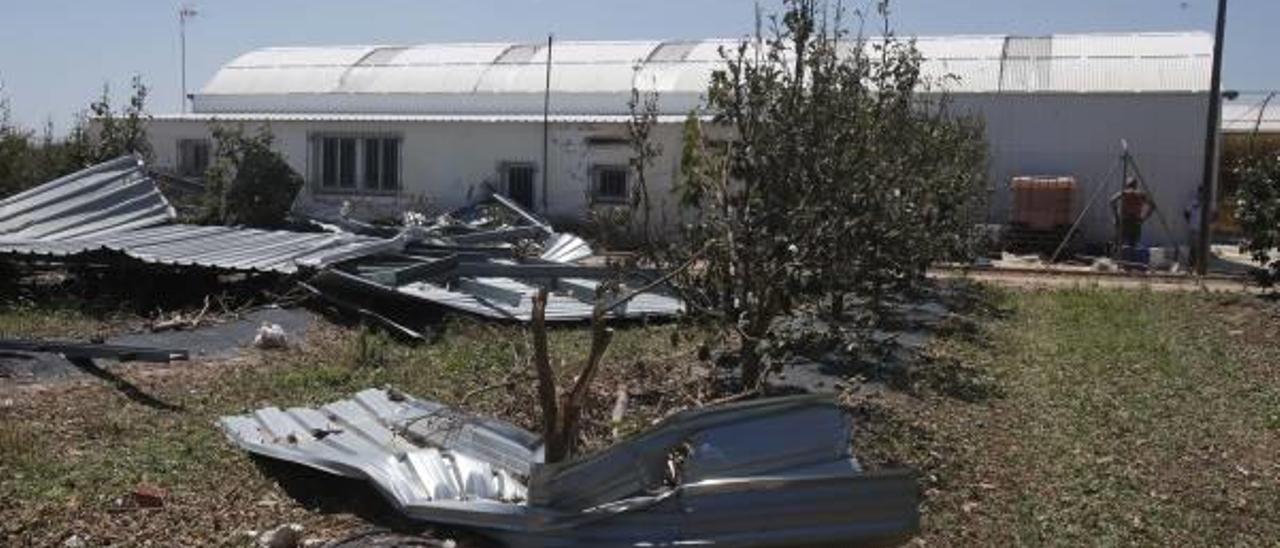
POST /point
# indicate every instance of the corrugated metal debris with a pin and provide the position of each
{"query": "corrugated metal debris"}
(500, 288)
(108, 198)
(224, 248)
(117, 207)
(774, 472)
(465, 260)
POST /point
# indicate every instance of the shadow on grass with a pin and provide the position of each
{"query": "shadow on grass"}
(128, 389)
(327, 493)
(895, 347)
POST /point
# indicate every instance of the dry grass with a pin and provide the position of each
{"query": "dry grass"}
(1058, 418)
(71, 452)
(1125, 418)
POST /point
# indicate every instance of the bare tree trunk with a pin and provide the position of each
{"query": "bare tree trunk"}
(571, 405)
(561, 417)
(555, 450)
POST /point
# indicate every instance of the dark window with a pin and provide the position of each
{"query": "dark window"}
(520, 183)
(373, 163)
(390, 164)
(611, 184)
(337, 162)
(329, 163)
(365, 163)
(193, 157)
(347, 163)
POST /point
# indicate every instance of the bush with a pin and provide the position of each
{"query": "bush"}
(1258, 200)
(248, 183)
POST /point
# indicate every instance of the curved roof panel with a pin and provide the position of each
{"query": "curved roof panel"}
(597, 77)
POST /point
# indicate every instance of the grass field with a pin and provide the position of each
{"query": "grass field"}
(1055, 418)
(1121, 418)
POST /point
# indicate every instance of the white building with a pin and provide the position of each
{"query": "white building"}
(395, 126)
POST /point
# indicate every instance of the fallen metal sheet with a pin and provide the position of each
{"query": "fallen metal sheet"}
(116, 206)
(111, 197)
(227, 248)
(512, 299)
(766, 473)
(500, 289)
(75, 350)
(565, 248)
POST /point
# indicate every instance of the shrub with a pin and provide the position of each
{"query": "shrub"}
(1258, 200)
(248, 183)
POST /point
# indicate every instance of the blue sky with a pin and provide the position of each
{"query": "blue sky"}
(55, 55)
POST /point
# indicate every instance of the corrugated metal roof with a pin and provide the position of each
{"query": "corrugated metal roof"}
(597, 77)
(228, 248)
(108, 198)
(116, 206)
(776, 472)
(1254, 112)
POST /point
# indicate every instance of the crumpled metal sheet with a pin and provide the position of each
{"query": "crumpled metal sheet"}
(775, 472)
(417, 450)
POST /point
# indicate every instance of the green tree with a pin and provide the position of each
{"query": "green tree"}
(248, 183)
(118, 133)
(16, 167)
(1258, 207)
(836, 176)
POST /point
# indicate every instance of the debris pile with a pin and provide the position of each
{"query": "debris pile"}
(487, 259)
(775, 472)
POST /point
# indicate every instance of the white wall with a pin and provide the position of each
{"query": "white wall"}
(442, 162)
(1079, 135)
(1069, 134)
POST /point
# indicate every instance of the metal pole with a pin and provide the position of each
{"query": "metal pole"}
(1211, 142)
(546, 121)
(184, 12)
(182, 37)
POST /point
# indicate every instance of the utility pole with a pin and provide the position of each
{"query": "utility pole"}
(1211, 143)
(184, 12)
(546, 128)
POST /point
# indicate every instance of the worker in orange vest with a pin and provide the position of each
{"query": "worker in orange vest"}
(1131, 207)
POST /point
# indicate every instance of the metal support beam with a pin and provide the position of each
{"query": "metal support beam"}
(500, 235)
(499, 270)
(522, 213)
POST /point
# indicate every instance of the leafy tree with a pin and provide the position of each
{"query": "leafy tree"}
(118, 133)
(16, 169)
(102, 133)
(248, 182)
(1258, 202)
(836, 176)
